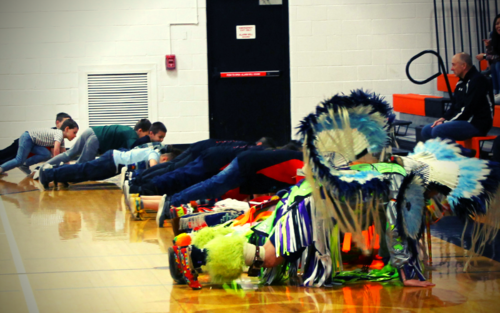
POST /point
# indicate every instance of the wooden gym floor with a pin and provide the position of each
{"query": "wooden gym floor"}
(77, 250)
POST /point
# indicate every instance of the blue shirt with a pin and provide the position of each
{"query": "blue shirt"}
(135, 156)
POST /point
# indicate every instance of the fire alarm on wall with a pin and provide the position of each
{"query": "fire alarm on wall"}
(170, 61)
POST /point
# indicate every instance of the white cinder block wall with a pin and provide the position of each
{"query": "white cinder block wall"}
(340, 45)
(45, 43)
(335, 45)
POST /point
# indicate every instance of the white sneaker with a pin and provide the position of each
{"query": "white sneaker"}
(160, 210)
(122, 177)
(126, 188)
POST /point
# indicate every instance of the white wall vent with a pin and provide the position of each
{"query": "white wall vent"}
(121, 98)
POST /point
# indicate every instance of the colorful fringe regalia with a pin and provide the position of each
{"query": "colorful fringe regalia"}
(303, 239)
(347, 190)
(352, 129)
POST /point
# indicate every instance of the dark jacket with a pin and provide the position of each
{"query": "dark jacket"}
(472, 102)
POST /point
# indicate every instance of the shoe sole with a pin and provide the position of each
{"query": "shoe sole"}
(160, 211)
(127, 199)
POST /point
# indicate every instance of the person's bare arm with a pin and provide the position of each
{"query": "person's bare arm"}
(57, 148)
(271, 260)
(152, 163)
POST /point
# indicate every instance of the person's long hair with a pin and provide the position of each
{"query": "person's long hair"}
(495, 37)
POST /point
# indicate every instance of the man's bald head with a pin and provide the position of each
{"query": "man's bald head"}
(461, 63)
(464, 57)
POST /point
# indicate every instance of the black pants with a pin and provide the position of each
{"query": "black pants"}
(496, 150)
(10, 152)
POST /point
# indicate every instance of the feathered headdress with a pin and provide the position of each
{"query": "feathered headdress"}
(344, 129)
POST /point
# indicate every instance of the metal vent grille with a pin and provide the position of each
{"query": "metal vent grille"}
(117, 98)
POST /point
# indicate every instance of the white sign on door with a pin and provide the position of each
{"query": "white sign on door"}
(245, 32)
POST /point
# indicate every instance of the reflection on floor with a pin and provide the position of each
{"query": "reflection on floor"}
(77, 250)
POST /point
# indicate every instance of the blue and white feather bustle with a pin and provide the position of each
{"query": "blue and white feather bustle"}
(346, 128)
(470, 185)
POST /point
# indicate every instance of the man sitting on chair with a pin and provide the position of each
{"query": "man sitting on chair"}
(471, 114)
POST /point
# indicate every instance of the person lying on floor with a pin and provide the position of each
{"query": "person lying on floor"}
(106, 166)
(157, 133)
(255, 172)
(346, 190)
(193, 152)
(100, 139)
(208, 164)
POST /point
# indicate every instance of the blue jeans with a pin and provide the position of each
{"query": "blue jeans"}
(98, 169)
(211, 188)
(85, 146)
(183, 159)
(495, 76)
(180, 179)
(26, 145)
(456, 130)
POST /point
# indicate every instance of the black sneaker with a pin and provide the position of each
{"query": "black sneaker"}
(64, 185)
(42, 178)
(25, 169)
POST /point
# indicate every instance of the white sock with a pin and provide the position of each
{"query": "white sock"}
(249, 253)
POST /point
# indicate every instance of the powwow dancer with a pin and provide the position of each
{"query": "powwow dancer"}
(346, 190)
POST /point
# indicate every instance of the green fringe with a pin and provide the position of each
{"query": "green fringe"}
(205, 235)
(225, 259)
(386, 273)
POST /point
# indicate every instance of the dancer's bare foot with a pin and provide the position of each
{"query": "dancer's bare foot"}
(414, 282)
(417, 283)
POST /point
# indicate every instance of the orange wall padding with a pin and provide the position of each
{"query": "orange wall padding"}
(410, 103)
(441, 83)
(496, 117)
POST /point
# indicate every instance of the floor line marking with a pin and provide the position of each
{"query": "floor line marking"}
(18, 262)
(17, 192)
(90, 271)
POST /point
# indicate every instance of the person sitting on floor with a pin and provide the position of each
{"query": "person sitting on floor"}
(106, 166)
(10, 152)
(157, 133)
(35, 141)
(471, 114)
